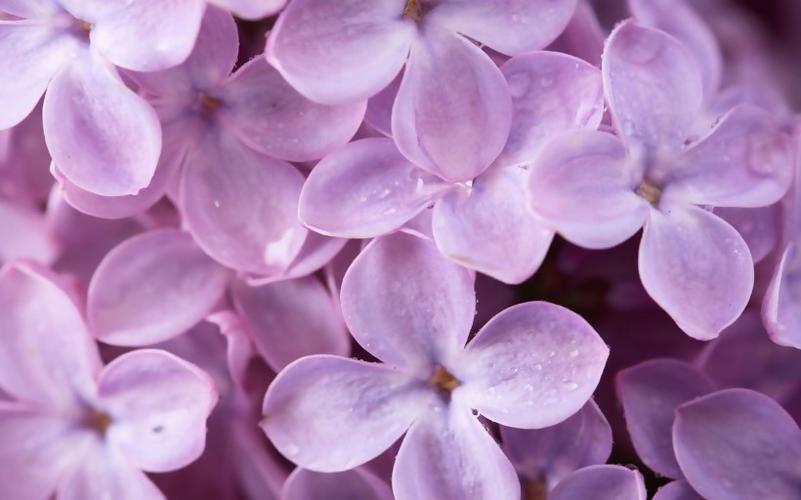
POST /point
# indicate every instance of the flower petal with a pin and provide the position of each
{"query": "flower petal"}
(508, 26)
(290, 319)
(147, 35)
(103, 474)
(551, 93)
(453, 110)
(650, 392)
(653, 86)
(32, 238)
(488, 227)
(47, 356)
(353, 484)
(683, 22)
(552, 453)
(601, 482)
(272, 117)
(739, 444)
(759, 227)
(746, 161)
(103, 137)
(364, 189)
(423, 316)
(33, 55)
(583, 185)
(448, 454)
(330, 414)
(335, 52)
(252, 9)
(697, 268)
(780, 307)
(152, 287)
(241, 206)
(533, 365)
(158, 404)
(677, 490)
(28, 9)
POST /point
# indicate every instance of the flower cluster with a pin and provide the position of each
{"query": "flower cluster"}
(399, 249)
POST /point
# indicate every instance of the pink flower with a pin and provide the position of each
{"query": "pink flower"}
(76, 428)
(531, 366)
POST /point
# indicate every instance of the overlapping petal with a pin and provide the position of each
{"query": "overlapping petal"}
(601, 482)
(104, 474)
(32, 238)
(677, 490)
(780, 307)
(358, 483)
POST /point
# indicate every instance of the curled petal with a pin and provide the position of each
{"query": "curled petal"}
(242, 206)
(453, 110)
(103, 137)
(47, 356)
(551, 93)
(363, 190)
(653, 86)
(423, 316)
(601, 482)
(650, 393)
(553, 452)
(489, 228)
(533, 365)
(697, 268)
(158, 405)
(334, 52)
(738, 443)
(448, 454)
(272, 117)
(152, 287)
(358, 483)
(508, 26)
(584, 185)
(330, 414)
(146, 35)
(746, 161)
(290, 319)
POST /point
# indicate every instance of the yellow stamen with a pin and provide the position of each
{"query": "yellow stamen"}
(413, 10)
(209, 101)
(443, 380)
(650, 191)
(99, 421)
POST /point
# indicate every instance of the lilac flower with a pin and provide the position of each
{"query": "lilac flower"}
(453, 110)
(225, 131)
(77, 429)
(531, 366)
(369, 188)
(598, 190)
(357, 483)
(601, 482)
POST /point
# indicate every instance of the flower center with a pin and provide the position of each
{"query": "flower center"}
(209, 102)
(415, 9)
(534, 489)
(443, 380)
(650, 191)
(98, 421)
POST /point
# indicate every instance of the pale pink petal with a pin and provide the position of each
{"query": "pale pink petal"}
(697, 268)
(650, 392)
(146, 35)
(38, 450)
(653, 86)
(290, 319)
(488, 227)
(47, 356)
(316, 252)
(330, 414)
(32, 238)
(340, 52)
(355, 484)
(152, 287)
(158, 405)
(103, 474)
(551, 453)
(679, 19)
(453, 110)
(242, 206)
(251, 9)
(601, 482)
(448, 454)
(33, 54)
(583, 184)
(272, 117)
(364, 189)
(781, 309)
(379, 107)
(28, 9)
(738, 444)
(533, 365)
(551, 93)
(583, 37)
(508, 26)
(103, 137)
(423, 316)
(745, 161)
(759, 227)
(677, 490)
